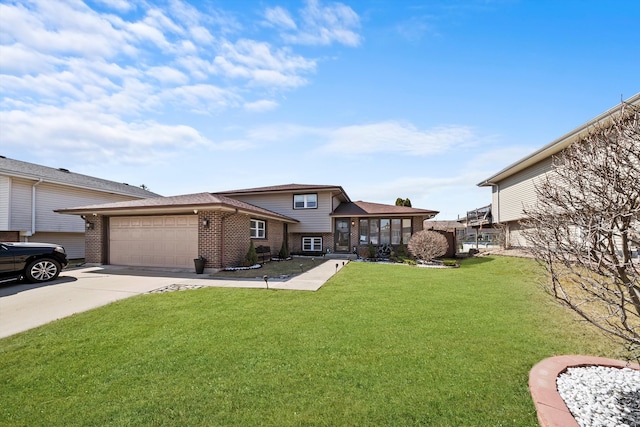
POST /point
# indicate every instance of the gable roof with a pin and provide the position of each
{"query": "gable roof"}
(556, 146)
(289, 188)
(367, 209)
(26, 170)
(187, 203)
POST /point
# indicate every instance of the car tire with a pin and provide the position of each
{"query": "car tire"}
(42, 270)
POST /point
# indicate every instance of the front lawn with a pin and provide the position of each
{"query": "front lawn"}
(377, 345)
(291, 267)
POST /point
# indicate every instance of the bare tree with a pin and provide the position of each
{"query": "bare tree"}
(584, 227)
(426, 245)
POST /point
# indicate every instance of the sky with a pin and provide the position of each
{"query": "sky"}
(415, 99)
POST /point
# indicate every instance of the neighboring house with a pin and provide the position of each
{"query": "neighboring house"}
(478, 231)
(173, 231)
(513, 188)
(30, 193)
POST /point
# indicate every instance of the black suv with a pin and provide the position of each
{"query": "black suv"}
(37, 262)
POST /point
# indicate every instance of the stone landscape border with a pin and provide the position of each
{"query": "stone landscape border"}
(551, 409)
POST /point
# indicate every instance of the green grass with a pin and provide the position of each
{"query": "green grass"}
(377, 345)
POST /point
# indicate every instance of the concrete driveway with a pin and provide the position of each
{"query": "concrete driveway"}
(25, 306)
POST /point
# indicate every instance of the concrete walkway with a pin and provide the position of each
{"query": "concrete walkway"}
(25, 306)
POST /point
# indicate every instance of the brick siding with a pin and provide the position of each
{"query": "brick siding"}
(95, 244)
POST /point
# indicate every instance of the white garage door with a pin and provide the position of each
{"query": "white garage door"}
(153, 241)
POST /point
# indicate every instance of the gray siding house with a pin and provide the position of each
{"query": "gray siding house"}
(513, 188)
(30, 193)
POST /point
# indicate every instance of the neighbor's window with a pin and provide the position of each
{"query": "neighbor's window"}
(311, 244)
(258, 229)
(305, 201)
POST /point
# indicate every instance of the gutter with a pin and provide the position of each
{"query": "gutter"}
(33, 207)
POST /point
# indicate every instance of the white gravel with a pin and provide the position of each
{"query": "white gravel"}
(600, 396)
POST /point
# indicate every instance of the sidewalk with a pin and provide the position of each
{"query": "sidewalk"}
(24, 306)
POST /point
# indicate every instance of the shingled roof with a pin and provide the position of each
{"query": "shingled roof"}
(20, 169)
(364, 209)
(177, 204)
(288, 188)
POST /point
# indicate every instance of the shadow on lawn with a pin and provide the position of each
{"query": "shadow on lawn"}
(472, 262)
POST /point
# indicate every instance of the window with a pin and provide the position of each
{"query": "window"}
(382, 231)
(305, 201)
(312, 244)
(406, 230)
(396, 231)
(374, 230)
(258, 229)
(385, 231)
(364, 232)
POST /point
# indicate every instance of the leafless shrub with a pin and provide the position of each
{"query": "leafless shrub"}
(584, 226)
(426, 245)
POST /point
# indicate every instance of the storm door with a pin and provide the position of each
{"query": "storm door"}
(342, 235)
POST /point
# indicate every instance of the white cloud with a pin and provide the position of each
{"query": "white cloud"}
(397, 137)
(120, 5)
(82, 134)
(19, 60)
(280, 17)
(168, 75)
(262, 65)
(202, 98)
(100, 83)
(261, 105)
(320, 24)
(388, 137)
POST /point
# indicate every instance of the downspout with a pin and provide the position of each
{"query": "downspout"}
(33, 207)
(497, 186)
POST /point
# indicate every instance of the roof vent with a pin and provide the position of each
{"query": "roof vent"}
(63, 170)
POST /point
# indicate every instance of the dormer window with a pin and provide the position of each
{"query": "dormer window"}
(305, 201)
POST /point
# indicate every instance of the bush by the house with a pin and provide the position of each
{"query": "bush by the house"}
(427, 245)
(252, 256)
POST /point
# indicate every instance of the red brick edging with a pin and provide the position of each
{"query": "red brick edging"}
(551, 409)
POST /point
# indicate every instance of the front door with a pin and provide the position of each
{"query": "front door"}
(342, 237)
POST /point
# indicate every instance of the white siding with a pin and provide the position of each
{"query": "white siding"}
(20, 209)
(5, 186)
(516, 192)
(73, 242)
(50, 197)
(311, 220)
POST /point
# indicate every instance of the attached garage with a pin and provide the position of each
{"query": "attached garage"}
(172, 231)
(153, 241)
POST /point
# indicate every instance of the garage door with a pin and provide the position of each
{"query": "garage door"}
(154, 241)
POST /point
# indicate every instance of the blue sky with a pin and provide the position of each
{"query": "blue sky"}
(393, 98)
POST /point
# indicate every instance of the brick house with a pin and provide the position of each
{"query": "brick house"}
(172, 231)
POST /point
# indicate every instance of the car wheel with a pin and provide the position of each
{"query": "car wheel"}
(42, 269)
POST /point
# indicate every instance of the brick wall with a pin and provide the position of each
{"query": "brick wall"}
(225, 242)
(236, 239)
(95, 240)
